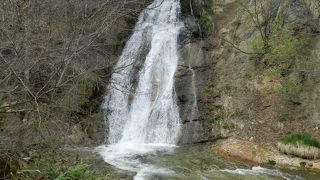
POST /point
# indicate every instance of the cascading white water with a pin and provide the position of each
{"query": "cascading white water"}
(148, 119)
(152, 116)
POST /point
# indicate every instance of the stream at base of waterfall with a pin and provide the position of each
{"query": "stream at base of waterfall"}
(192, 162)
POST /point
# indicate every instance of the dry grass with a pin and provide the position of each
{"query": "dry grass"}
(300, 150)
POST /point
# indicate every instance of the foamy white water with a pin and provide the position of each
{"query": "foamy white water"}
(261, 170)
(144, 117)
(152, 116)
(128, 156)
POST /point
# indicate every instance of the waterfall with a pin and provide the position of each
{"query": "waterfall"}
(191, 8)
(152, 115)
(141, 110)
(192, 14)
(194, 110)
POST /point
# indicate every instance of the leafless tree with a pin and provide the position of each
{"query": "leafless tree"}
(264, 16)
(49, 49)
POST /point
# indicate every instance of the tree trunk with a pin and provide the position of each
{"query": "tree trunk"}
(28, 40)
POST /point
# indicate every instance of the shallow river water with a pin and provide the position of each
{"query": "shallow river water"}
(189, 162)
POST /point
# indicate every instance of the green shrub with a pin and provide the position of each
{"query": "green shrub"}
(228, 126)
(216, 91)
(272, 162)
(209, 119)
(301, 138)
(206, 24)
(283, 52)
(280, 49)
(303, 164)
(256, 45)
(274, 73)
(264, 45)
(204, 19)
(213, 107)
(237, 113)
(48, 165)
(212, 90)
(301, 145)
(78, 171)
(249, 72)
(291, 88)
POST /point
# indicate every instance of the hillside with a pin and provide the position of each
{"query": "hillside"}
(247, 76)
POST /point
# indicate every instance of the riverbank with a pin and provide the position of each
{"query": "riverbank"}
(263, 154)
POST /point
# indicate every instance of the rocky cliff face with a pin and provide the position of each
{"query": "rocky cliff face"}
(194, 69)
(243, 89)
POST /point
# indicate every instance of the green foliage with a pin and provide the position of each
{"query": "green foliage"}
(279, 48)
(217, 91)
(277, 24)
(228, 126)
(303, 164)
(300, 138)
(49, 166)
(249, 72)
(209, 119)
(210, 11)
(274, 73)
(78, 171)
(255, 45)
(291, 88)
(216, 117)
(272, 162)
(237, 113)
(263, 44)
(284, 50)
(206, 24)
(287, 53)
(284, 46)
(213, 90)
(213, 107)
(204, 19)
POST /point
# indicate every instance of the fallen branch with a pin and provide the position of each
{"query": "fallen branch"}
(16, 111)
